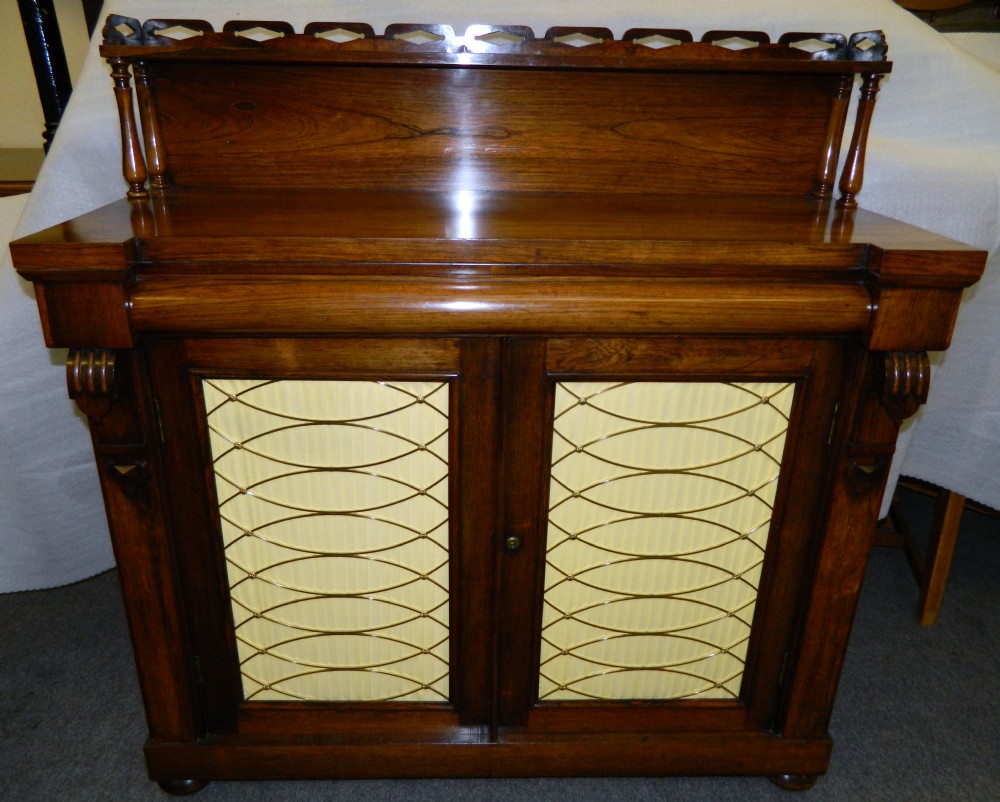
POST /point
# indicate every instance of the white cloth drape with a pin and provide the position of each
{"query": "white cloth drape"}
(933, 160)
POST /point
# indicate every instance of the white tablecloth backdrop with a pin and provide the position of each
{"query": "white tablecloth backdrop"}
(933, 160)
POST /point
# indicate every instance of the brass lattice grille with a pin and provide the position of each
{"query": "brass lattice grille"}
(333, 498)
(660, 502)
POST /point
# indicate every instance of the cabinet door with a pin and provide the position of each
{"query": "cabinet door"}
(661, 502)
(333, 511)
(470, 539)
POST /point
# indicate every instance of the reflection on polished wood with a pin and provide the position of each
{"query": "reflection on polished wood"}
(478, 262)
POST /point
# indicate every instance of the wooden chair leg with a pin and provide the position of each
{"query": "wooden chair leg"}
(930, 565)
(944, 532)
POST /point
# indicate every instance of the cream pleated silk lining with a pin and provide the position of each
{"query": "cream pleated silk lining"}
(334, 504)
(660, 502)
(333, 498)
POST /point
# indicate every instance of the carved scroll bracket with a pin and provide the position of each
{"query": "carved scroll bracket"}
(97, 381)
(93, 378)
(900, 387)
(906, 383)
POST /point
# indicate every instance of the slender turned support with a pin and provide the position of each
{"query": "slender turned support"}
(150, 128)
(854, 169)
(133, 164)
(827, 173)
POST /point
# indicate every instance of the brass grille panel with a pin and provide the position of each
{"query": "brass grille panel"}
(660, 504)
(333, 499)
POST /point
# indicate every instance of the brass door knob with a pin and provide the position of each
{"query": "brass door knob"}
(512, 543)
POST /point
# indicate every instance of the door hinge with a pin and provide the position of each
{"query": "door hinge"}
(833, 422)
(783, 673)
(159, 420)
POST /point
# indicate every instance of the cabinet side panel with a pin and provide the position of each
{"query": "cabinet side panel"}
(333, 501)
(660, 504)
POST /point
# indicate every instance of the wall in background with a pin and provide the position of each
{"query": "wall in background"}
(21, 121)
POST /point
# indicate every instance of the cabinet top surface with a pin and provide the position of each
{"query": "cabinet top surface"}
(476, 215)
(485, 228)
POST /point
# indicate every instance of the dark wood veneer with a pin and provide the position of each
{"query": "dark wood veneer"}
(501, 212)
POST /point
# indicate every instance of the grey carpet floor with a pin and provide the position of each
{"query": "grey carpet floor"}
(917, 717)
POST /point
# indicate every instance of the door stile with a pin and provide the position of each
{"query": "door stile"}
(526, 404)
(795, 528)
(194, 520)
(475, 443)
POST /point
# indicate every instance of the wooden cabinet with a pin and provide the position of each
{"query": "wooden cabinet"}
(498, 471)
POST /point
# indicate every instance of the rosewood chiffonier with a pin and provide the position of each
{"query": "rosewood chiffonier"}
(487, 405)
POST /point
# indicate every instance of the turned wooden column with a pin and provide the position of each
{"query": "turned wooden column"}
(827, 173)
(133, 162)
(854, 169)
(155, 161)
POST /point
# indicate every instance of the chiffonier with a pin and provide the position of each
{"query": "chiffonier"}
(478, 404)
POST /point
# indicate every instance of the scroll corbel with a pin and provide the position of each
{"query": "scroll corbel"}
(93, 378)
(96, 381)
(905, 384)
(899, 391)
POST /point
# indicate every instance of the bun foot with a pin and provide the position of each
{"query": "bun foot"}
(794, 782)
(182, 787)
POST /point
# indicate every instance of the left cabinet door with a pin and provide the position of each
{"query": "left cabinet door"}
(332, 508)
